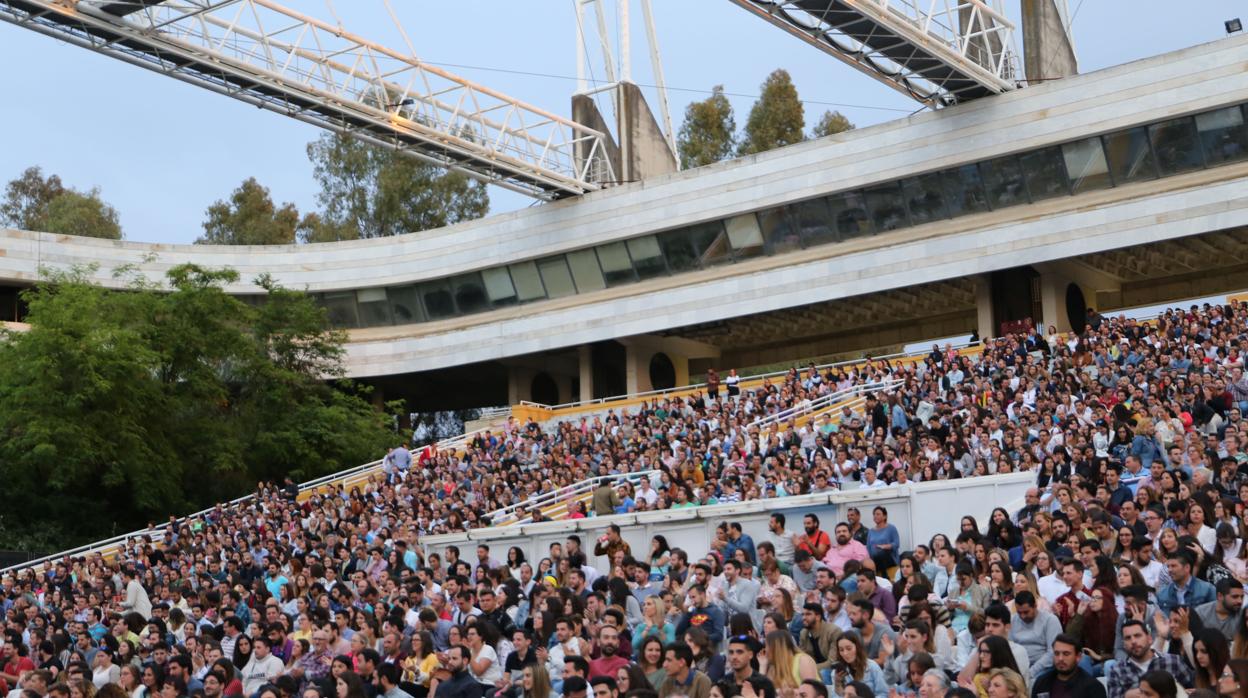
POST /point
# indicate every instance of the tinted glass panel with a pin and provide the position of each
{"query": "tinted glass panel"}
(849, 215)
(617, 268)
(585, 271)
(438, 299)
(1003, 180)
(374, 307)
(1222, 135)
(678, 249)
(647, 257)
(1130, 158)
(746, 238)
(813, 222)
(1086, 166)
(556, 277)
(964, 191)
(1176, 146)
(341, 308)
(780, 235)
(498, 286)
(925, 197)
(405, 305)
(528, 282)
(1046, 173)
(470, 293)
(888, 211)
(710, 243)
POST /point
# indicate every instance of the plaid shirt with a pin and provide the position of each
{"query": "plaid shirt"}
(1126, 675)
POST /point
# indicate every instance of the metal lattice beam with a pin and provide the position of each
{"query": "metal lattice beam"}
(264, 54)
(939, 52)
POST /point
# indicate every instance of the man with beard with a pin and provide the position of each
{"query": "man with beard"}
(742, 650)
(844, 549)
(609, 660)
(813, 540)
(1067, 680)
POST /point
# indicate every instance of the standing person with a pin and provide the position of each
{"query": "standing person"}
(136, 596)
(712, 384)
(605, 499)
(733, 382)
(883, 541)
(402, 458)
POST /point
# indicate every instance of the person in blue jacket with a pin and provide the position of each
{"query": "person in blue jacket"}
(1184, 589)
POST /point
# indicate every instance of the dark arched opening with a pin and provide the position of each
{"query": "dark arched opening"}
(544, 390)
(1076, 308)
(662, 372)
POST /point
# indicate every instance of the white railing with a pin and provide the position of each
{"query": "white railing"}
(507, 515)
(744, 379)
(831, 400)
(157, 533)
(494, 412)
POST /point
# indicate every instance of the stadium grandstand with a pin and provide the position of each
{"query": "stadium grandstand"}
(1056, 485)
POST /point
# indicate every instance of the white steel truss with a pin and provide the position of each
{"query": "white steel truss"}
(940, 52)
(265, 54)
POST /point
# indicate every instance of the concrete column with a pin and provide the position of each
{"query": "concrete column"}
(564, 381)
(682, 369)
(519, 384)
(985, 323)
(1053, 303)
(1048, 48)
(637, 368)
(585, 356)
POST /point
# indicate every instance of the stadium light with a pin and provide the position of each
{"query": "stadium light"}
(1234, 26)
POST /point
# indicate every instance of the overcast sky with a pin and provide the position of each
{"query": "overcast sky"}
(161, 151)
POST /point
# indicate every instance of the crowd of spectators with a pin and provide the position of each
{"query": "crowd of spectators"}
(1121, 575)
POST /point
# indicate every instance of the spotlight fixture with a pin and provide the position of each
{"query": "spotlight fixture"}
(1234, 26)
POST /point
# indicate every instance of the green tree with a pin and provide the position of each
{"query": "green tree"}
(777, 117)
(708, 132)
(368, 191)
(831, 122)
(122, 406)
(249, 218)
(33, 202)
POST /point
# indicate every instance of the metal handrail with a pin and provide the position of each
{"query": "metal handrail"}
(758, 376)
(829, 400)
(157, 533)
(587, 485)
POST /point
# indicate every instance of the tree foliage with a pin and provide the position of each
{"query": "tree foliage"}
(708, 133)
(831, 122)
(45, 204)
(777, 117)
(249, 217)
(367, 192)
(121, 406)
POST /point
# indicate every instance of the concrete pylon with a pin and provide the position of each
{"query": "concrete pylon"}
(638, 149)
(1048, 48)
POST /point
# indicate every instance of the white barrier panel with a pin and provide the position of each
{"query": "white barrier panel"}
(918, 510)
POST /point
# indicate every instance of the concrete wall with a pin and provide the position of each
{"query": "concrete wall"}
(918, 511)
(1194, 79)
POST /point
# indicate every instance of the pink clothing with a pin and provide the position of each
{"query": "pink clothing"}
(837, 556)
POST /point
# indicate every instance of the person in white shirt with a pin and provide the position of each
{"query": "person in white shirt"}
(262, 668)
(780, 538)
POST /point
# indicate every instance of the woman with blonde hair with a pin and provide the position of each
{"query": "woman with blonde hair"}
(1006, 683)
(654, 622)
(784, 664)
